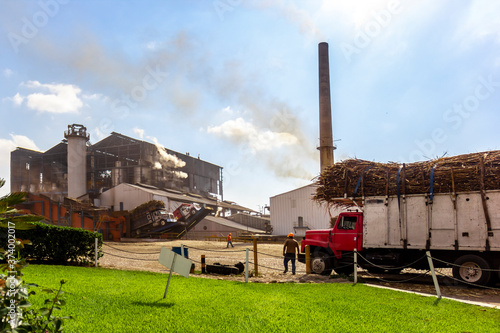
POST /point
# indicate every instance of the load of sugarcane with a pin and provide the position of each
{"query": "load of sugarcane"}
(355, 178)
(148, 206)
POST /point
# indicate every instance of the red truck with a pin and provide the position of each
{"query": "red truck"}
(390, 233)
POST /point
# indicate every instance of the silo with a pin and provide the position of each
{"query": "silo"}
(77, 160)
(118, 174)
(142, 174)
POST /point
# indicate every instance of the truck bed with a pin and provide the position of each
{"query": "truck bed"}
(443, 223)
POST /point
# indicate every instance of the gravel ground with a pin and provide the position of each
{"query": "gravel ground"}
(144, 256)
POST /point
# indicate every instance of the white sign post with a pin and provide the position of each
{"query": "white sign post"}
(175, 263)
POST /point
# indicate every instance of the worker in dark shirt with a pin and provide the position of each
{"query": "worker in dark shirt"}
(289, 252)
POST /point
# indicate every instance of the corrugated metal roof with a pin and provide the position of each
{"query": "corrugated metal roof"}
(174, 196)
(232, 224)
(224, 204)
(184, 197)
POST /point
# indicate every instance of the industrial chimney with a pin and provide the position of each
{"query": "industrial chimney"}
(77, 160)
(326, 146)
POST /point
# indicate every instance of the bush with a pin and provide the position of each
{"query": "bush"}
(58, 245)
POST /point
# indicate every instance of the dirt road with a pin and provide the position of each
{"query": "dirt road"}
(144, 256)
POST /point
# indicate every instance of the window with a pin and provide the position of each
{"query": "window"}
(347, 223)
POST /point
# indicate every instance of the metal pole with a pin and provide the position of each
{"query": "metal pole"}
(169, 276)
(182, 250)
(355, 266)
(434, 277)
(96, 251)
(246, 270)
(308, 259)
(255, 261)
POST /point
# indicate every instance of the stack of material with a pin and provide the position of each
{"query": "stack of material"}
(357, 178)
(148, 206)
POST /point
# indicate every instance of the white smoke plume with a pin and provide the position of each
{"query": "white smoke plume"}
(180, 174)
(191, 75)
(166, 160)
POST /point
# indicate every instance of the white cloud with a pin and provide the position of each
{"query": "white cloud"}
(482, 22)
(355, 13)
(17, 99)
(7, 72)
(61, 98)
(243, 132)
(94, 97)
(98, 134)
(8, 145)
(153, 45)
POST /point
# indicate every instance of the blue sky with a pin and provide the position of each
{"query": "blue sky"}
(236, 81)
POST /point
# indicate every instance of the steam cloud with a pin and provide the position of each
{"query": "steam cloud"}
(166, 160)
(273, 131)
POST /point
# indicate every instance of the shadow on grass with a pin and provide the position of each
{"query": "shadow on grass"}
(156, 304)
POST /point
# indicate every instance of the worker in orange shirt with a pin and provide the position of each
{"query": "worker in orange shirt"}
(229, 240)
(289, 249)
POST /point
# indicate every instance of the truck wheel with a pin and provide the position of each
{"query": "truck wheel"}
(320, 264)
(162, 222)
(193, 211)
(472, 269)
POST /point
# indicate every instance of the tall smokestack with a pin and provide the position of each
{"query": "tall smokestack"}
(326, 146)
(77, 160)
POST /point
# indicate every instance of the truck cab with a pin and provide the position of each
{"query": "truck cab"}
(161, 217)
(333, 248)
(185, 210)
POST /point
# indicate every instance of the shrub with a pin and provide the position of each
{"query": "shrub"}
(59, 245)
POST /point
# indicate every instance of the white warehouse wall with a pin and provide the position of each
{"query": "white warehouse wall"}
(287, 207)
(129, 195)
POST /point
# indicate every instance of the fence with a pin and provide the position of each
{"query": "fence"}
(262, 263)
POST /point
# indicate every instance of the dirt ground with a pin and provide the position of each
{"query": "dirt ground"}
(144, 256)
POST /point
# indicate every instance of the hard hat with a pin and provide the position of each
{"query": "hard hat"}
(230, 234)
(290, 235)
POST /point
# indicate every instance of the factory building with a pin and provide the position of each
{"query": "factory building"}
(77, 169)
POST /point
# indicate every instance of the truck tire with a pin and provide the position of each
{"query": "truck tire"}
(192, 211)
(472, 269)
(320, 264)
(162, 222)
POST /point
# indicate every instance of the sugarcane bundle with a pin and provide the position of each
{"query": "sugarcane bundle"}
(358, 178)
(148, 206)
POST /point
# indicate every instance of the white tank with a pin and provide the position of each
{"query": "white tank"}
(77, 160)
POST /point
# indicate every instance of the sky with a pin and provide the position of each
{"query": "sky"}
(236, 81)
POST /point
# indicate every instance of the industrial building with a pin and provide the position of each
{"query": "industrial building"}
(76, 168)
(119, 173)
(295, 211)
(85, 185)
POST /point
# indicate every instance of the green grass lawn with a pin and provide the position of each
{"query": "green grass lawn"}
(104, 300)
